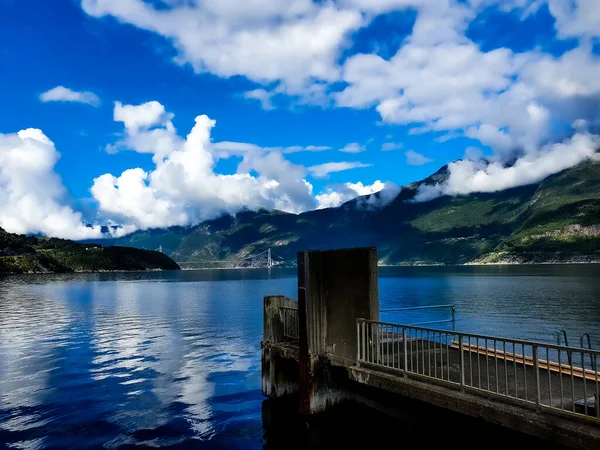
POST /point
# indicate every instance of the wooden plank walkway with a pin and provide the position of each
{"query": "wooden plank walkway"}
(552, 366)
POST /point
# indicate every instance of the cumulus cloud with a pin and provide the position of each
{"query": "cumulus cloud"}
(389, 146)
(335, 195)
(290, 42)
(183, 188)
(472, 175)
(63, 94)
(323, 170)
(31, 192)
(416, 159)
(353, 147)
(439, 80)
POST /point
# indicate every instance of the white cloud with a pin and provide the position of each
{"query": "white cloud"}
(31, 192)
(576, 18)
(293, 42)
(334, 196)
(63, 94)
(353, 147)
(472, 175)
(142, 116)
(389, 146)
(225, 149)
(262, 96)
(491, 136)
(575, 74)
(184, 188)
(323, 170)
(416, 159)
(314, 148)
(438, 79)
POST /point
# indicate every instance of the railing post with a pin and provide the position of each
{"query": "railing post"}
(536, 368)
(462, 362)
(358, 342)
(404, 350)
(453, 319)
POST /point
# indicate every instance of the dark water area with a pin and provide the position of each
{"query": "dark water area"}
(172, 359)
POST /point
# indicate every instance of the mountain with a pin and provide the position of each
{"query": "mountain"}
(27, 254)
(557, 220)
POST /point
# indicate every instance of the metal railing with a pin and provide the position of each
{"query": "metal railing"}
(289, 319)
(544, 376)
(420, 308)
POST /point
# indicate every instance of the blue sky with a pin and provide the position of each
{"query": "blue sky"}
(425, 80)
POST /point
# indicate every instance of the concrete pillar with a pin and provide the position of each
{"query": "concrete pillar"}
(335, 287)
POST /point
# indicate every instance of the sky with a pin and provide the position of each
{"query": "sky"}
(154, 113)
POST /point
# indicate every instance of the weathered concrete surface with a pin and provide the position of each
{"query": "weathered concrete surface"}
(335, 287)
(325, 386)
(572, 433)
(279, 356)
(279, 369)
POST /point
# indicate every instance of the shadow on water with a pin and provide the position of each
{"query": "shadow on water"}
(352, 425)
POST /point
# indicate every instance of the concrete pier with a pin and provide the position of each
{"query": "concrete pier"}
(329, 347)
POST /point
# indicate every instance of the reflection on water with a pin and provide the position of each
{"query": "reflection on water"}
(173, 358)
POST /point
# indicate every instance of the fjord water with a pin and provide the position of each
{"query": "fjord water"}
(173, 358)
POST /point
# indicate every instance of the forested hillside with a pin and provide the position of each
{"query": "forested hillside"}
(27, 254)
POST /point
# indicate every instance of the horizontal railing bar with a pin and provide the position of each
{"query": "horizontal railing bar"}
(292, 308)
(414, 308)
(483, 336)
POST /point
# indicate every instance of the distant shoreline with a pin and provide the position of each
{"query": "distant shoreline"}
(88, 271)
(544, 263)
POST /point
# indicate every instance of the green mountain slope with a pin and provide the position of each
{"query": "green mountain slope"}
(555, 220)
(26, 254)
(563, 223)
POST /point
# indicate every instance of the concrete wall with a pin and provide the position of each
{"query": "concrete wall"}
(338, 287)
(335, 287)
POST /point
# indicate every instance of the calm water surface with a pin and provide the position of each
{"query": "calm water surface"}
(172, 359)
